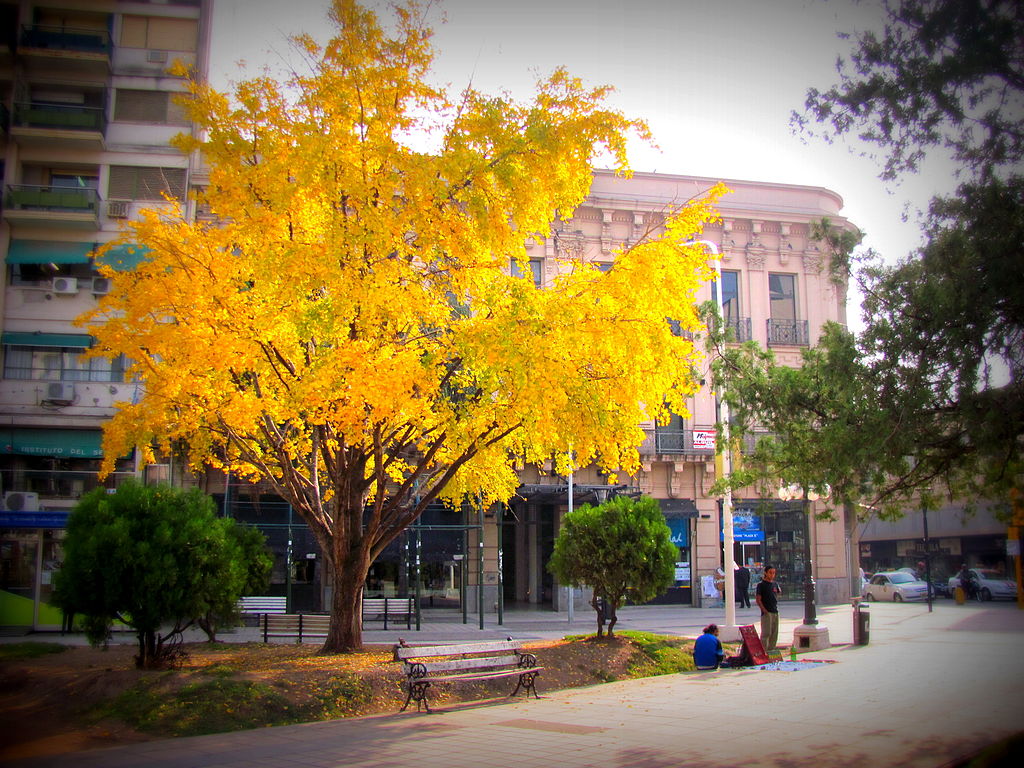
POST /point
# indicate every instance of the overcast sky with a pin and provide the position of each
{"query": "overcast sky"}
(715, 79)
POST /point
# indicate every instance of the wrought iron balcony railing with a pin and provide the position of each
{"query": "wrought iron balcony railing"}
(788, 333)
(666, 441)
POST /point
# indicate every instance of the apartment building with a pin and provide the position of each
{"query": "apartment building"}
(776, 290)
(87, 113)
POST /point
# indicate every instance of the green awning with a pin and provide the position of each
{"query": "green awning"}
(47, 339)
(48, 252)
(66, 443)
(124, 258)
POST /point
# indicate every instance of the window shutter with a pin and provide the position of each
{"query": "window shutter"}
(145, 183)
(172, 34)
(140, 106)
(133, 31)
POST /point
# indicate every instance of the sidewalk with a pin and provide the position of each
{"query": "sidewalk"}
(440, 625)
(928, 689)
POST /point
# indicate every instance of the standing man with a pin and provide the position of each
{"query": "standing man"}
(769, 605)
(742, 587)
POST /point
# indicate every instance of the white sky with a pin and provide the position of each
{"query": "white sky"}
(715, 79)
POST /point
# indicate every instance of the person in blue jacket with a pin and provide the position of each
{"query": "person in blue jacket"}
(707, 651)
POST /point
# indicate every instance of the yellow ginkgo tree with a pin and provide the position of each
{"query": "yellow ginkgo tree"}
(349, 329)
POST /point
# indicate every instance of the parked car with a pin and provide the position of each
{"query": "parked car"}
(896, 586)
(991, 584)
(941, 589)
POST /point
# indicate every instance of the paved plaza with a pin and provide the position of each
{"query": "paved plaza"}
(929, 689)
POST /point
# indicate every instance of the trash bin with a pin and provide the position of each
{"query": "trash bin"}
(861, 622)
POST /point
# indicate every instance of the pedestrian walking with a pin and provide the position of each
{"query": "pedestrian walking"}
(743, 586)
(768, 602)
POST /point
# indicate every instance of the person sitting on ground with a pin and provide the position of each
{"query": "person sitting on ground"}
(707, 651)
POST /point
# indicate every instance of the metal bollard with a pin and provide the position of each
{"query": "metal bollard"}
(861, 622)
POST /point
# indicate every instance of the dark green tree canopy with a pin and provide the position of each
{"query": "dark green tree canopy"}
(944, 327)
(943, 73)
(157, 559)
(621, 549)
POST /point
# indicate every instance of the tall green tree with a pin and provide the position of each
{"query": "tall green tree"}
(944, 326)
(621, 549)
(157, 559)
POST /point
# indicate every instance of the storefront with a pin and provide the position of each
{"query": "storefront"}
(31, 552)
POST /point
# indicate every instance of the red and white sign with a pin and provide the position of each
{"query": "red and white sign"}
(703, 439)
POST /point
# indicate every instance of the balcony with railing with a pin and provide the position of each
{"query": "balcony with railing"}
(76, 207)
(77, 125)
(740, 328)
(39, 486)
(748, 443)
(74, 45)
(660, 441)
(793, 333)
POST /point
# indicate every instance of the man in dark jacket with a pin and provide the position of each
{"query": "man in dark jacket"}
(742, 587)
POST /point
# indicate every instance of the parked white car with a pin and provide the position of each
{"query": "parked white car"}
(991, 584)
(896, 586)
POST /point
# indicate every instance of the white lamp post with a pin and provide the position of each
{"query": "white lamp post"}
(728, 631)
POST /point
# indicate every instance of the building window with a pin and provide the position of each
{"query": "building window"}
(129, 182)
(42, 275)
(535, 270)
(134, 106)
(59, 364)
(730, 295)
(66, 180)
(162, 34)
(782, 295)
(783, 326)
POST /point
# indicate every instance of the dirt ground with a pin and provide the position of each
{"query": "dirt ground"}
(50, 704)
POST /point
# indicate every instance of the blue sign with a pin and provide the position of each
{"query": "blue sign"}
(680, 531)
(57, 518)
(746, 525)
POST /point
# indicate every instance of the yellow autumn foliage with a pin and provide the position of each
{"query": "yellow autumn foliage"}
(350, 328)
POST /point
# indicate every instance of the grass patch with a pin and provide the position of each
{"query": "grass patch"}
(344, 694)
(18, 651)
(659, 654)
(208, 706)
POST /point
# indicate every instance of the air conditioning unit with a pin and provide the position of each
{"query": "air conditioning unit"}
(65, 285)
(117, 209)
(100, 286)
(60, 392)
(156, 57)
(21, 501)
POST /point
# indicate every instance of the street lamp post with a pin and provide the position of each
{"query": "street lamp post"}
(809, 635)
(729, 630)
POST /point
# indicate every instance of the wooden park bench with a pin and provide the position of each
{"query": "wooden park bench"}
(378, 608)
(428, 664)
(261, 604)
(302, 627)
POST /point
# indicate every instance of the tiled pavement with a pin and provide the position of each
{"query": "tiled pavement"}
(927, 690)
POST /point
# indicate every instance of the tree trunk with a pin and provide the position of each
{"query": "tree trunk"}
(346, 629)
(147, 649)
(612, 618)
(599, 605)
